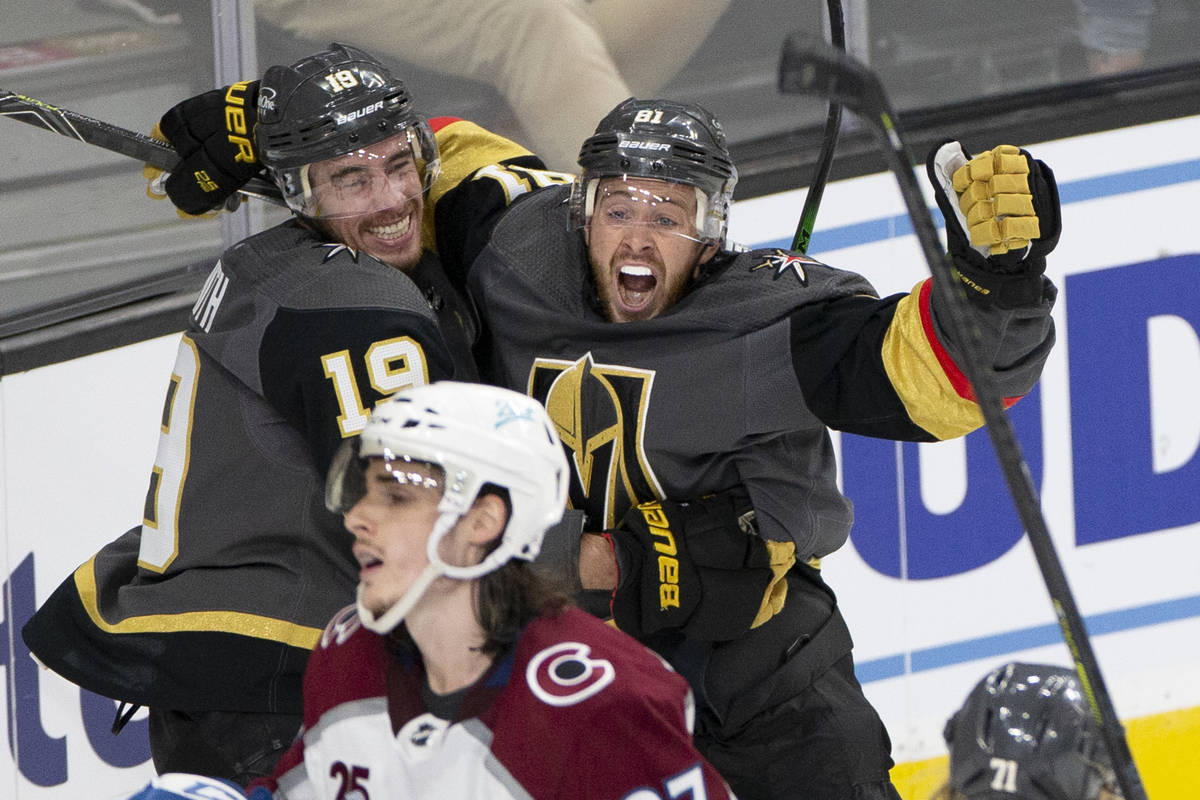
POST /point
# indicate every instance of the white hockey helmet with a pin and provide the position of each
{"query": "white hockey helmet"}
(478, 436)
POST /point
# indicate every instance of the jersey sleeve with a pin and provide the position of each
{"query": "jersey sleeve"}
(325, 369)
(482, 174)
(888, 367)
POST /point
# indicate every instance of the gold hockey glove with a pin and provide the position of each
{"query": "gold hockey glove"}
(1002, 218)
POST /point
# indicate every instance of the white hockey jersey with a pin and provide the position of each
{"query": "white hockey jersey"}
(575, 710)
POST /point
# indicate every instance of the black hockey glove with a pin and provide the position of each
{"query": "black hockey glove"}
(1002, 219)
(213, 133)
(698, 567)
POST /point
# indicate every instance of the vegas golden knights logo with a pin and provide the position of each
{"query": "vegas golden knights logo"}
(600, 413)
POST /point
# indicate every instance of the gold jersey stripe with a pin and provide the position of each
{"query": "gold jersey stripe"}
(463, 148)
(933, 391)
(237, 622)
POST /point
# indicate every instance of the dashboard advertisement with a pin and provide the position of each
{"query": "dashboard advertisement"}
(938, 582)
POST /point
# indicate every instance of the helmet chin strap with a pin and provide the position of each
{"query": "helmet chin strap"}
(387, 621)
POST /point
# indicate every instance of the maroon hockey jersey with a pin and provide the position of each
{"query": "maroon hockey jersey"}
(575, 709)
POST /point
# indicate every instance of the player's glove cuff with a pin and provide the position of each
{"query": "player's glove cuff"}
(213, 133)
(1002, 218)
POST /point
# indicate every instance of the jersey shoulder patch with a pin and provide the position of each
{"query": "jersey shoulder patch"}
(341, 627)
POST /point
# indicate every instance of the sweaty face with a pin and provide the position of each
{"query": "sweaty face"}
(391, 524)
(372, 200)
(643, 246)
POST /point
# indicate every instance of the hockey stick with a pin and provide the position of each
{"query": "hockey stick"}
(833, 126)
(806, 67)
(119, 140)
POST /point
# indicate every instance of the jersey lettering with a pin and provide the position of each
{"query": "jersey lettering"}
(160, 523)
(600, 413)
(351, 781)
(392, 365)
(689, 784)
(516, 181)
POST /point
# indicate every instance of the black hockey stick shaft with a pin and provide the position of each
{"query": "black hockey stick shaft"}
(808, 68)
(96, 132)
(833, 126)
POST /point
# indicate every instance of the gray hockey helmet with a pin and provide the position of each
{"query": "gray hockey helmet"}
(666, 140)
(326, 105)
(1025, 733)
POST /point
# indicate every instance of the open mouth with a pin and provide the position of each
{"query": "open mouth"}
(367, 562)
(635, 286)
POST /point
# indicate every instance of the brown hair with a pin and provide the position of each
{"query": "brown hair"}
(510, 598)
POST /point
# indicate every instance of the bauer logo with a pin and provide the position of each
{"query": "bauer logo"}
(639, 145)
(342, 119)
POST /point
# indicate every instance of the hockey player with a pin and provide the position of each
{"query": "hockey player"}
(726, 369)
(459, 672)
(1026, 733)
(206, 612)
(722, 375)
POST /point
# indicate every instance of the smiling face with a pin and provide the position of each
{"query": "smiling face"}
(372, 200)
(643, 246)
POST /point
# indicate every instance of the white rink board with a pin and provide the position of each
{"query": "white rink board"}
(78, 440)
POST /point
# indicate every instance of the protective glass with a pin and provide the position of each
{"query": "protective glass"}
(380, 176)
(346, 483)
(657, 207)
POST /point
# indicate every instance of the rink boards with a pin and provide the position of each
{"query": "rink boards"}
(937, 583)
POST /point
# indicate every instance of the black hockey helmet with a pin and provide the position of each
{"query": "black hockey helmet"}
(663, 139)
(1026, 733)
(329, 104)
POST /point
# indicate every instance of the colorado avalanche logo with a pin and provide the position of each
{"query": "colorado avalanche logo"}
(563, 675)
(782, 261)
(341, 627)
